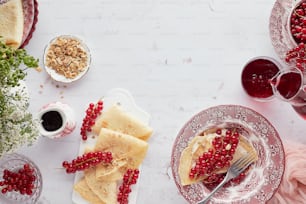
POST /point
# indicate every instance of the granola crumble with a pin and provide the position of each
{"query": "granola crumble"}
(67, 57)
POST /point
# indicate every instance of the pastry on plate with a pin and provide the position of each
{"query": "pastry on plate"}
(115, 118)
(128, 152)
(83, 189)
(216, 149)
(11, 22)
(105, 190)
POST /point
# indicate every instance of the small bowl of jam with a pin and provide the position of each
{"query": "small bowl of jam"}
(56, 120)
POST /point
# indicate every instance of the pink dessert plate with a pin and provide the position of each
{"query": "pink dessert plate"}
(279, 27)
(264, 176)
(30, 12)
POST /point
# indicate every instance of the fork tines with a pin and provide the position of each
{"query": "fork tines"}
(243, 162)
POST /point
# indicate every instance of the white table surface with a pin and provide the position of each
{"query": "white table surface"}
(177, 57)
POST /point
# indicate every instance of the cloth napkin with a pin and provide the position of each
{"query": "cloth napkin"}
(293, 186)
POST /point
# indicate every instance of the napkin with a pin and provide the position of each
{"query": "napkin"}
(293, 186)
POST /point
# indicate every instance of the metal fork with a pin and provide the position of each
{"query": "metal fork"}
(235, 169)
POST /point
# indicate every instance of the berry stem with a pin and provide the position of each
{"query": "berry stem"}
(87, 160)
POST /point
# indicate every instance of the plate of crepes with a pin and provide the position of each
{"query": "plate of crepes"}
(212, 140)
(121, 130)
(18, 19)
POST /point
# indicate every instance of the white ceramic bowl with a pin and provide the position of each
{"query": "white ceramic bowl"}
(59, 77)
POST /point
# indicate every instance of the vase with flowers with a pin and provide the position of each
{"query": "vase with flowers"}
(17, 125)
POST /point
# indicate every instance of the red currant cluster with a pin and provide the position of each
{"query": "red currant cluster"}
(298, 23)
(129, 178)
(87, 160)
(92, 112)
(217, 157)
(21, 181)
(297, 56)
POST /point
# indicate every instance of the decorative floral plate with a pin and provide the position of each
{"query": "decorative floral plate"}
(279, 27)
(16, 161)
(126, 101)
(264, 177)
(30, 9)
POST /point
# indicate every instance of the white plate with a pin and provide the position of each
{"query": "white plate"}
(126, 100)
(61, 78)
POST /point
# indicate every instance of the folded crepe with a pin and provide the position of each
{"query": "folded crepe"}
(83, 189)
(111, 172)
(128, 153)
(11, 23)
(196, 147)
(293, 185)
(117, 119)
(105, 190)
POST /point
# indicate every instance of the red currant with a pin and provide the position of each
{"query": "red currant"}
(92, 112)
(129, 178)
(219, 156)
(21, 180)
(87, 160)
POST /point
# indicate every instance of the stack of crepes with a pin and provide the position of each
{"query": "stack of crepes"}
(11, 23)
(126, 138)
(293, 185)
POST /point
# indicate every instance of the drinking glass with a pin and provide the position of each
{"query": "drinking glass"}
(256, 76)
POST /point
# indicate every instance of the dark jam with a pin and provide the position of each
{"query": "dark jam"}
(256, 78)
(52, 121)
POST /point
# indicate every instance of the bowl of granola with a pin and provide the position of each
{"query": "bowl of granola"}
(66, 58)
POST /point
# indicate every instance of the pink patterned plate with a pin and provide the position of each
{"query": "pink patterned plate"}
(279, 27)
(264, 177)
(30, 9)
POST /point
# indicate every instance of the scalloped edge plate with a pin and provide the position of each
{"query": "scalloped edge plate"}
(265, 175)
(278, 27)
(33, 19)
(126, 101)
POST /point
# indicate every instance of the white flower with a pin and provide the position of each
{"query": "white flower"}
(17, 127)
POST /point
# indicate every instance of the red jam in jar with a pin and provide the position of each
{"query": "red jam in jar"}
(256, 76)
